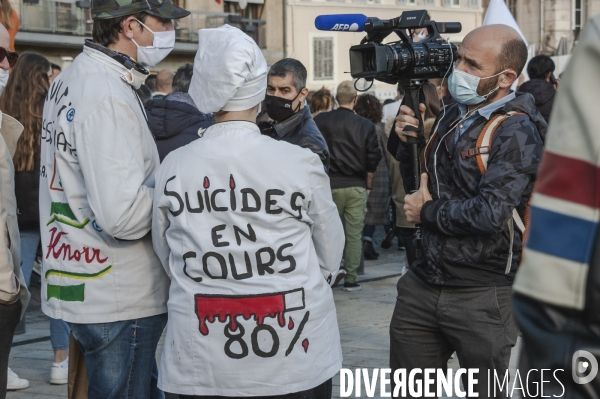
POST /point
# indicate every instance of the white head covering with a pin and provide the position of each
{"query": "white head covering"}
(230, 71)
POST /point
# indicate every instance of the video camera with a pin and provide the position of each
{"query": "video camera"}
(396, 62)
(405, 62)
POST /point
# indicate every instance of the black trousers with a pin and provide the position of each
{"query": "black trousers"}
(430, 322)
(322, 391)
(9, 318)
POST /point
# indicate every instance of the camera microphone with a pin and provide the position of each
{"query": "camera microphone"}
(341, 22)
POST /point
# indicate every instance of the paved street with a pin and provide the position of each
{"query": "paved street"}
(363, 320)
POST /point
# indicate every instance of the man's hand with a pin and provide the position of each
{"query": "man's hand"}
(407, 117)
(414, 202)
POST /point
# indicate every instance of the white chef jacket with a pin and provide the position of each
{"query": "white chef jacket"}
(249, 234)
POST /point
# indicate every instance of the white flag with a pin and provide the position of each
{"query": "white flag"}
(498, 13)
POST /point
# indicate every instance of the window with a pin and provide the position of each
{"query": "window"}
(252, 25)
(430, 3)
(474, 3)
(410, 2)
(451, 3)
(512, 6)
(323, 58)
(579, 14)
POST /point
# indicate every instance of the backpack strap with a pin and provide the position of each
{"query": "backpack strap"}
(481, 152)
(487, 135)
(483, 149)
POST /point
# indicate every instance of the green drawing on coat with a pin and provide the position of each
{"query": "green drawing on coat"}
(67, 293)
(77, 276)
(59, 208)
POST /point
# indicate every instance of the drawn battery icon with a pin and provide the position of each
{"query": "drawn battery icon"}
(222, 307)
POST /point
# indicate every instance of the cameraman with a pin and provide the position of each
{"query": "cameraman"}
(457, 297)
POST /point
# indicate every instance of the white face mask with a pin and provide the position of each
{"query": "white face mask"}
(162, 45)
(463, 87)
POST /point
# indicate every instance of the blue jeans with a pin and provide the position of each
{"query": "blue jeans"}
(30, 239)
(120, 357)
(59, 334)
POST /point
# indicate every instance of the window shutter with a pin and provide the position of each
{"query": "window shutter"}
(323, 58)
(328, 69)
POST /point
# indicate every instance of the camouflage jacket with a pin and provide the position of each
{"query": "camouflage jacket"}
(465, 229)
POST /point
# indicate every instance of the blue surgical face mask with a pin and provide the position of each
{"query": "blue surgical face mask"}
(463, 87)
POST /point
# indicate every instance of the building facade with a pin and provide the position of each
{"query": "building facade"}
(552, 25)
(57, 29)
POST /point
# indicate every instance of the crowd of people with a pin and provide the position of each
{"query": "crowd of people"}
(226, 195)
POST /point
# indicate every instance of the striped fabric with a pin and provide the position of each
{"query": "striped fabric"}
(565, 212)
(565, 209)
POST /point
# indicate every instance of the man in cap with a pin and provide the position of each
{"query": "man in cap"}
(96, 189)
(248, 231)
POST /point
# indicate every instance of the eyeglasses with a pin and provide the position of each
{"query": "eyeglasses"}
(11, 57)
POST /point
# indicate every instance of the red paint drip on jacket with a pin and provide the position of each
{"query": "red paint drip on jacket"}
(221, 308)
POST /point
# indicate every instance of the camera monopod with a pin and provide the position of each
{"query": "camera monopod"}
(413, 96)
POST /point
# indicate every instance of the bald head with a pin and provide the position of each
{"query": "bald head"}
(4, 42)
(496, 54)
(164, 81)
(504, 43)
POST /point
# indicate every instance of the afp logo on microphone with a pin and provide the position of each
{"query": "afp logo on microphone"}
(341, 22)
(345, 27)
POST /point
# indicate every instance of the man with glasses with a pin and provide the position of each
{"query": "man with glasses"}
(99, 158)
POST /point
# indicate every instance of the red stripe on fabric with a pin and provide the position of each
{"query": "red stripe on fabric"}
(569, 179)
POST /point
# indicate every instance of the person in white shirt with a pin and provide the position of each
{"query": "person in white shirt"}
(98, 160)
(391, 110)
(247, 230)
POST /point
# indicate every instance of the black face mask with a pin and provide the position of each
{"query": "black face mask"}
(280, 109)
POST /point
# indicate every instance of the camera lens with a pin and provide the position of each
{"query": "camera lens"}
(398, 58)
(371, 61)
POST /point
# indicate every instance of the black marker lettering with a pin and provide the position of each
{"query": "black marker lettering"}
(188, 255)
(215, 236)
(177, 197)
(200, 204)
(245, 207)
(288, 258)
(293, 203)
(234, 272)
(271, 202)
(261, 266)
(213, 201)
(250, 236)
(221, 261)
